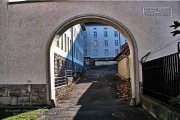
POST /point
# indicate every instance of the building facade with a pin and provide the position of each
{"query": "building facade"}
(123, 59)
(69, 51)
(101, 44)
(67, 60)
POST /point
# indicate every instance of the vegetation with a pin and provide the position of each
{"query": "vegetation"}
(175, 25)
(175, 101)
(31, 115)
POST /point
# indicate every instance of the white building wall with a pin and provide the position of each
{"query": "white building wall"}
(77, 42)
(101, 41)
(63, 49)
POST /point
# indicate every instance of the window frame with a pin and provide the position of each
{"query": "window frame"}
(95, 34)
(105, 33)
(106, 52)
(85, 52)
(106, 45)
(115, 33)
(62, 42)
(95, 51)
(57, 43)
(116, 41)
(95, 43)
(116, 51)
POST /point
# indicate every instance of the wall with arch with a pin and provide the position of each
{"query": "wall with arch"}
(28, 27)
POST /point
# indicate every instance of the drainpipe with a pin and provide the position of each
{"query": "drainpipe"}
(72, 47)
(119, 42)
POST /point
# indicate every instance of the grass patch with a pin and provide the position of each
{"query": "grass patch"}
(29, 115)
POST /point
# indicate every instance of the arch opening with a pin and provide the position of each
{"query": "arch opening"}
(100, 19)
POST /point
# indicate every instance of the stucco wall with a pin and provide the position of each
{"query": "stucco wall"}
(123, 69)
(30, 26)
(3, 41)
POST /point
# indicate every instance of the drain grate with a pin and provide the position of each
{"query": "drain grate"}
(123, 115)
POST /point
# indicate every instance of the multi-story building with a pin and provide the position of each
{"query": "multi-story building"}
(66, 58)
(101, 43)
(69, 50)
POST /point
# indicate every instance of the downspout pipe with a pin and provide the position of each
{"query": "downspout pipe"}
(72, 47)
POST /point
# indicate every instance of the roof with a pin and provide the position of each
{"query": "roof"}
(123, 51)
(94, 24)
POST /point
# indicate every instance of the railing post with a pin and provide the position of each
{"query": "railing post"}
(178, 76)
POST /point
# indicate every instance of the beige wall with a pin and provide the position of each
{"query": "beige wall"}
(30, 26)
(26, 30)
(123, 68)
(3, 42)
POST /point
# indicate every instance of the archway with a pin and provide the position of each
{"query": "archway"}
(105, 20)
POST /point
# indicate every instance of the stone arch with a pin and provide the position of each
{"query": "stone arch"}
(108, 21)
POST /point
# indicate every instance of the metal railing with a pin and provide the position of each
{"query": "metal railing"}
(60, 81)
(161, 77)
(69, 73)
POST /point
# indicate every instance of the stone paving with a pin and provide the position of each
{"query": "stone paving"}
(95, 97)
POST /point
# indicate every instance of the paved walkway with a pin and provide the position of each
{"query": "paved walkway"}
(95, 97)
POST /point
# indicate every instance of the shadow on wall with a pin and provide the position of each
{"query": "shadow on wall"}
(68, 60)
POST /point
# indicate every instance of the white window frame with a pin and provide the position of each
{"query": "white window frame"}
(106, 52)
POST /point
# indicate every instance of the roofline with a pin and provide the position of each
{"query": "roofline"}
(125, 50)
(83, 26)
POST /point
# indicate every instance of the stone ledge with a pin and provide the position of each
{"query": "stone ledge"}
(157, 110)
(23, 94)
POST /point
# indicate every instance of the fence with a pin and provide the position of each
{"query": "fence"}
(161, 77)
(60, 81)
(69, 73)
(63, 80)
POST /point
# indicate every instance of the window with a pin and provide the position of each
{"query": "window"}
(65, 43)
(105, 33)
(57, 44)
(70, 47)
(74, 50)
(74, 32)
(78, 38)
(106, 43)
(58, 65)
(61, 42)
(95, 28)
(65, 64)
(106, 52)
(77, 52)
(95, 43)
(85, 52)
(85, 34)
(95, 53)
(116, 33)
(95, 34)
(85, 43)
(116, 51)
(105, 28)
(62, 64)
(116, 42)
(68, 44)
